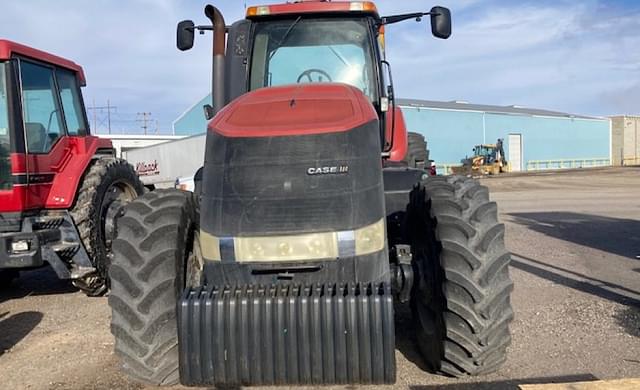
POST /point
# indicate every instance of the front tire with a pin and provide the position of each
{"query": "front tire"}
(108, 184)
(461, 297)
(154, 246)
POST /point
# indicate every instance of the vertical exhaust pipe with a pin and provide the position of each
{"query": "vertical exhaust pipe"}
(217, 71)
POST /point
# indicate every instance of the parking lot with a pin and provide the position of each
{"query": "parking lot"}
(575, 238)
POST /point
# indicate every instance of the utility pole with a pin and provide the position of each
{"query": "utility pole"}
(95, 120)
(146, 117)
(109, 116)
(102, 109)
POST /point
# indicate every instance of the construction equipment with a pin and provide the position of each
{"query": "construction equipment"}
(487, 159)
(60, 187)
(284, 265)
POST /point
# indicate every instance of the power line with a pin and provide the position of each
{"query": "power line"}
(146, 117)
(101, 109)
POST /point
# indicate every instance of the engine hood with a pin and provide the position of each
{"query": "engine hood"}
(301, 109)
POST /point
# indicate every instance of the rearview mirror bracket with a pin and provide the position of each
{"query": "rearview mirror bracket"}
(440, 20)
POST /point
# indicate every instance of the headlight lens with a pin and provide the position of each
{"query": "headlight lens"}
(287, 248)
(301, 247)
(370, 239)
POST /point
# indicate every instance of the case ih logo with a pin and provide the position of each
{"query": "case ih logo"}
(328, 170)
(147, 169)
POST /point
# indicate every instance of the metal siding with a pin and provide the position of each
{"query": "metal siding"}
(617, 140)
(173, 160)
(552, 138)
(452, 134)
(192, 121)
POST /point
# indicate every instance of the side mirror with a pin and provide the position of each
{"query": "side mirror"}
(440, 22)
(184, 35)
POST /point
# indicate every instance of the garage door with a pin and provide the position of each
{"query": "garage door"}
(515, 152)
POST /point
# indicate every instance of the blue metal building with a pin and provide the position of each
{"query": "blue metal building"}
(533, 138)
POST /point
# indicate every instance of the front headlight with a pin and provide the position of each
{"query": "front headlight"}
(300, 247)
(287, 248)
(370, 239)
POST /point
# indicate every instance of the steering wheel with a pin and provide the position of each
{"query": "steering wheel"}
(310, 72)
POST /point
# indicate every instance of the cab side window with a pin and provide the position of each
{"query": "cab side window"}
(42, 114)
(71, 103)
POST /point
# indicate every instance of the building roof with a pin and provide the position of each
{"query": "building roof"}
(509, 110)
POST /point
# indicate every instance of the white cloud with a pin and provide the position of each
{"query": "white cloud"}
(561, 56)
(579, 57)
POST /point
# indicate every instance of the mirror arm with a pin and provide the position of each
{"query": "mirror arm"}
(399, 18)
(203, 28)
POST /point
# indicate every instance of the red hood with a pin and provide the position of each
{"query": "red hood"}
(300, 109)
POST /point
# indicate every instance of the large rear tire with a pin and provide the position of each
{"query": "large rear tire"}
(109, 184)
(155, 243)
(461, 298)
(417, 153)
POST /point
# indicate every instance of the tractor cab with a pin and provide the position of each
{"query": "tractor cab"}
(60, 187)
(41, 118)
(313, 42)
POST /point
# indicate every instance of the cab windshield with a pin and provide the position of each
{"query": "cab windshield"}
(5, 141)
(314, 50)
(484, 151)
(488, 152)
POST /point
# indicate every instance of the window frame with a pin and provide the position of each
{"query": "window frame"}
(373, 53)
(82, 107)
(5, 72)
(57, 101)
(7, 184)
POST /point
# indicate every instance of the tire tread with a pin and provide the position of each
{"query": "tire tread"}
(145, 327)
(472, 332)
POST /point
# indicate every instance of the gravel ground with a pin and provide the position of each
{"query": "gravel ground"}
(575, 237)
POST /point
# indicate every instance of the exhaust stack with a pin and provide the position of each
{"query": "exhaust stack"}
(217, 71)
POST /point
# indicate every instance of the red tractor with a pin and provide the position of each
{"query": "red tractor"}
(306, 227)
(60, 187)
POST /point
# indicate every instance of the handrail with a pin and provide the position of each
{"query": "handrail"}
(567, 163)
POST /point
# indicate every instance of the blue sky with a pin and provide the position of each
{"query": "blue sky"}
(575, 56)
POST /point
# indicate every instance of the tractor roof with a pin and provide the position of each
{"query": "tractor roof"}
(299, 7)
(9, 48)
